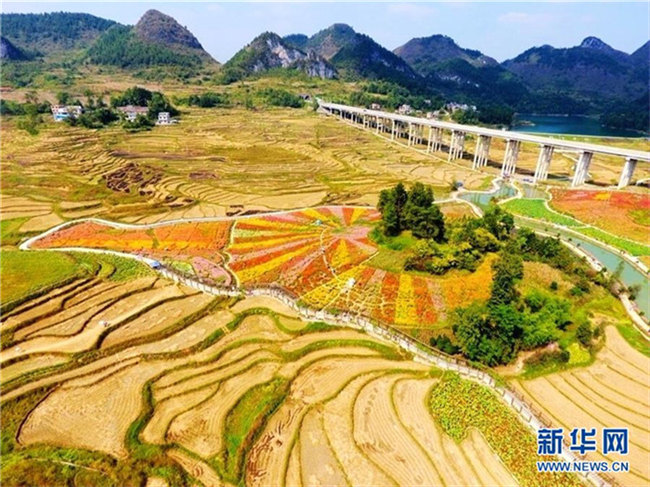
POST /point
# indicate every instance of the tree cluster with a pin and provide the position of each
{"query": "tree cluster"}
(411, 210)
(466, 243)
(208, 100)
(138, 96)
(281, 98)
(495, 331)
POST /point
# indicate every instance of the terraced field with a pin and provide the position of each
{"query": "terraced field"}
(612, 393)
(216, 162)
(146, 380)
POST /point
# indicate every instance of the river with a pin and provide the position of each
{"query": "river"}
(572, 124)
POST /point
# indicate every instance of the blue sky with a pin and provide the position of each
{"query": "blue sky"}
(501, 30)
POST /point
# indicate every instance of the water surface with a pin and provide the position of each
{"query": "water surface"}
(572, 124)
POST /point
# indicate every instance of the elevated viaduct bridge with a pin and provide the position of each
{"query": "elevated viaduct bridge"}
(413, 129)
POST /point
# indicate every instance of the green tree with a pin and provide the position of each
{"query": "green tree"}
(508, 269)
(498, 221)
(63, 97)
(159, 103)
(584, 333)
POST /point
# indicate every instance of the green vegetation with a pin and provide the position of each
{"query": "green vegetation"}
(30, 112)
(120, 46)
(246, 420)
(411, 210)
(48, 32)
(630, 115)
(10, 230)
(634, 338)
(24, 273)
(534, 208)
(46, 465)
(113, 267)
(468, 240)
(494, 332)
(208, 100)
(459, 405)
(391, 95)
(281, 98)
(138, 96)
(632, 248)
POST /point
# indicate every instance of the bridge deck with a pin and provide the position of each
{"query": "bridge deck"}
(503, 134)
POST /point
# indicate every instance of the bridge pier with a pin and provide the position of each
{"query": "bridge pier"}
(628, 171)
(482, 151)
(457, 145)
(435, 139)
(380, 123)
(410, 142)
(420, 134)
(393, 131)
(582, 169)
(543, 163)
(510, 159)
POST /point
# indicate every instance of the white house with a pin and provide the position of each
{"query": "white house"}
(164, 118)
(131, 112)
(405, 110)
(62, 112)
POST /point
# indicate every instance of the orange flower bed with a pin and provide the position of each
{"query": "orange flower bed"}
(320, 255)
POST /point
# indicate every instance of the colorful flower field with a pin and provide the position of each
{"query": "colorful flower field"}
(622, 213)
(198, 246)
(320, 255)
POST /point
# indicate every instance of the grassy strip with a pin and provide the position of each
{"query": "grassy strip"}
(634, 338)
(27, 274)
(537, 209)
(246, 420)
(459, 404)
(633, 248)
(125, 268)
(10, 230)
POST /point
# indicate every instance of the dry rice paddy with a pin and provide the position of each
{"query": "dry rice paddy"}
(612, 393)
(229, 393)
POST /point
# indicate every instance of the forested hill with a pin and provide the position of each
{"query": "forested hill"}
(357, 56)
(52, 33)
(157, 39)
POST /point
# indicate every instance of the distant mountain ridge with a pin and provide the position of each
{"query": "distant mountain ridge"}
(269, 51)
(424, 53)
(156, 27)
(356, 55)
(591, 77)
(590, 69)
(53, 33)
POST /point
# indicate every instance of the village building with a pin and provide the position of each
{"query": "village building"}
(63, 112)
(375, 106)
(405, 110)
(131, 112)
(452, 107)
(164, 118)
